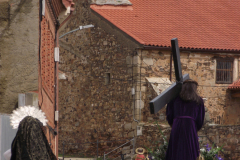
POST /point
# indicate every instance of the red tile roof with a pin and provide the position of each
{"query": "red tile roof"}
(235, 85)
(198, 24)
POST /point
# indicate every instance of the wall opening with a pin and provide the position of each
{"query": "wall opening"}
(107, 78)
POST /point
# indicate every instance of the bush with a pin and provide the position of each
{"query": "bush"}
(159, 152)
(211, 153)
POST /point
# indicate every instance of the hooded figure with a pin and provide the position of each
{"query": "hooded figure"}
(186, 116)
(30, 142)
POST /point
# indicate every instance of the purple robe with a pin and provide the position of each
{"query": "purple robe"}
(186, 118)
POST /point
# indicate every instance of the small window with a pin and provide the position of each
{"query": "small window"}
(224, 71)
(107, 78)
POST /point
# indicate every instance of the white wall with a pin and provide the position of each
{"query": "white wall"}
(7, 134)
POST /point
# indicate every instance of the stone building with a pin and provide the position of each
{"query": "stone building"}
(110, 73)
(28, 38)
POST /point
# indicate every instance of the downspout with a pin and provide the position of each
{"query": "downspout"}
(140, 92)
(56, 81)
(56, 95)
(39, 48)
(56, 63)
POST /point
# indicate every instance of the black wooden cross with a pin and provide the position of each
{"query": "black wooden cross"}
(171, 92)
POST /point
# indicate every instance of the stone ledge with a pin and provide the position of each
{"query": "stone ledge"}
(147, 124)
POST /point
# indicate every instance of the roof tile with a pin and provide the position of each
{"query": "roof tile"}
(208, 24)
(235, 85)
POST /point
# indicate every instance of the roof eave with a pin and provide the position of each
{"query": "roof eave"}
(192, 49)
(234, 88)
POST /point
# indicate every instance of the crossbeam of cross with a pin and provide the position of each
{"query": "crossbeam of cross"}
(171, 92)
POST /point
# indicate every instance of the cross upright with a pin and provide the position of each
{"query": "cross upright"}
(171, 92)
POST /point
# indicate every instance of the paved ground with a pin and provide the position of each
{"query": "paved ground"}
(60, 158)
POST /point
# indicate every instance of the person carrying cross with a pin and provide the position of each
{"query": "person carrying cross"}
(185, 114)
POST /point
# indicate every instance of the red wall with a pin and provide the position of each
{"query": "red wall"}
(47, 76)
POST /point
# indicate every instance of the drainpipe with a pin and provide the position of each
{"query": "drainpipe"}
(56, 84)
(140, 103)
(140, 92)
(39, 47)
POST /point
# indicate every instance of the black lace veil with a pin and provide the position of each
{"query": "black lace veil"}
(30, 142)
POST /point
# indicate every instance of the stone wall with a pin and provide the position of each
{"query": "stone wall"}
(226, 136)
(222, 108)
(98, 69)
(219, 135)
(19, 28)
(95, 101)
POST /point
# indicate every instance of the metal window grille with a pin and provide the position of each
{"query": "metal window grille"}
(224, 71)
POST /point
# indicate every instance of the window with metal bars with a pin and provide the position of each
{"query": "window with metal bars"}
(224, 71)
